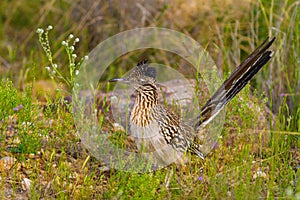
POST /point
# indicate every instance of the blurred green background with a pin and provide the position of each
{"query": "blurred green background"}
(229, 29)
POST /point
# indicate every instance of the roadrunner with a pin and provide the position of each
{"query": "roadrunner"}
(160, 132)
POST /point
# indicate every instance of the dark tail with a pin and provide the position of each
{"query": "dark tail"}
(235, 83)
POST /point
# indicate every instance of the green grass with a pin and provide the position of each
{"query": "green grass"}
(52, 158)
(257, 156)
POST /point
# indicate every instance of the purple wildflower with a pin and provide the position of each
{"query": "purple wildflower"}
(18, 107)
(215, 145)
(283, 94)
(201, 178)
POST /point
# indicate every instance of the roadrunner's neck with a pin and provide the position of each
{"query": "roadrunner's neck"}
(146, 100)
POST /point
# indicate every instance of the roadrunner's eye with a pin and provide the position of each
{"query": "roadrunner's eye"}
(151, 72)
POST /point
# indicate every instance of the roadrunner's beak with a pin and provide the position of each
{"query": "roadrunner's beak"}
(118, 80)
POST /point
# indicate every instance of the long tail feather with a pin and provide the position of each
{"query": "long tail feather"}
(235, 83)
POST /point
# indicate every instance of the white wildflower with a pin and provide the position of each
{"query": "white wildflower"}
(40, 31)
(71, 48)
(49, 28)
(64, 43)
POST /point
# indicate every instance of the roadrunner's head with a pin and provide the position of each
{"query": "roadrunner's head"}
(141, 75)
(142, 79)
